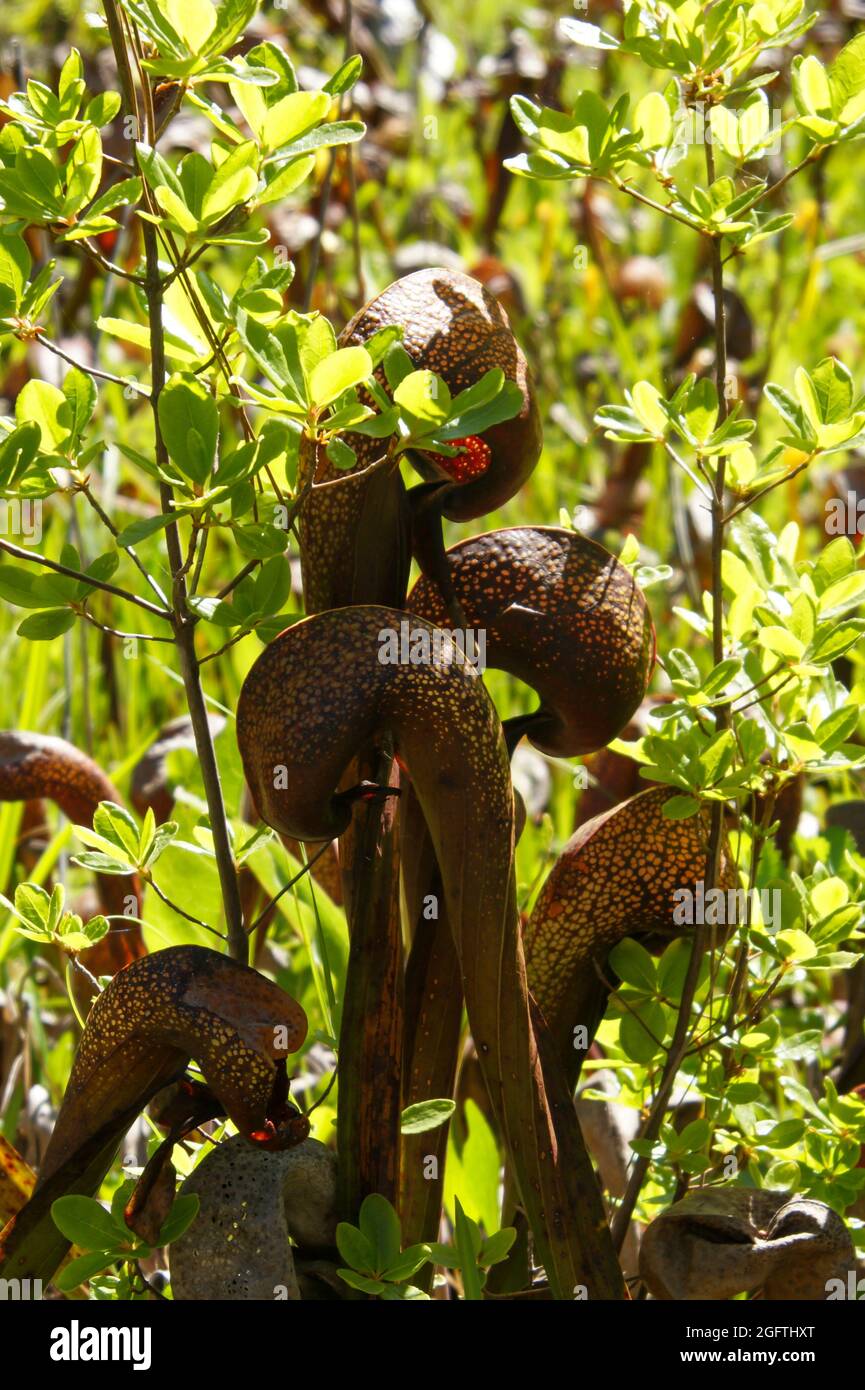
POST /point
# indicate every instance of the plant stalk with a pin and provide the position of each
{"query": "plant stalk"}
(181, 619)
(702, 934)
(371, 1030)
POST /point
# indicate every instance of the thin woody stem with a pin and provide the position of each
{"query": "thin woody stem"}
(702, 934)
(18, 553)
(184, 629)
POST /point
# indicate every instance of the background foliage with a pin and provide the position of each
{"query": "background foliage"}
(603, 293)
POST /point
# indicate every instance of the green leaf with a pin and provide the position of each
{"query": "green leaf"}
(426, 1114)
(379, 426)
(232, 17)
(646, 400)
(323, 137)
(361, 1283)
(80, 391)
(836, 560)
(781, 642)
(33, 904)
(179, 1219)
(484, 390)
(272, 586)
(14, 271)
(17, 452)
(71, 73)
(293, 116)
(162, 837)
(85, 1267)
(462, 422)
(286, 180)
(195, 21)
(260, 540)
(276, 353)
(103, 863)
(47, 407)
(234, 183)
(94, 929)
(382, 340)
(680, 807)
(176, 210)
(356, 1248)
(42, 627)
(445, 1255)
(639, 1029)
(17, 586)
(795, 945)
(379, 1223)
(653, 119)
(829, 895)
(189, 420)
(345, 76)
(673, 968)
(130, 332)
(833, 386)
(103, 108)
(715, 759)
(86, 1223)
(785, 1176)
(802, 433)
(83, 170)
(138, 531)
(157, 170)
(628, 556)
(587, 35)
(397, 364)
(847, 81)
(118, 828)
(846, 593)
(620, 423)
(273, 59)
(837, 727)
(196, 176)
(423, 398)
(343, 369)
(811, 86)
(472, 1170)
(802, 619)
(720, 676)
(701, 410)
(315, 340)
(754, 122)
(784, 1134)
(472, 1288)
(831, 641)
(496, 1247)
(40, 179)
(409, 1262)
(693, 1136)
(566, 136)
(111, 850)
(633, 964)
(341, 455)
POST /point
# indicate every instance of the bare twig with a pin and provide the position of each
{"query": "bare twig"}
(92, 371)
(86, 491)
(32, 558)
